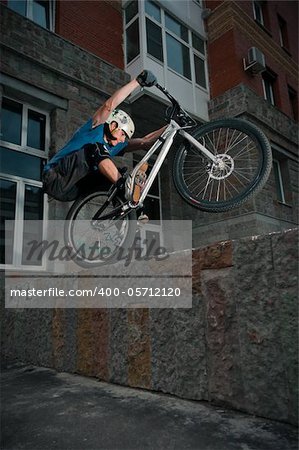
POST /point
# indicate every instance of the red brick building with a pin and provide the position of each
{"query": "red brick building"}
(93, 25)
(61, 59)
(272, 27)
(263, 92)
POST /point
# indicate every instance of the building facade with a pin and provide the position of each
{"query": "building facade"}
(60, 60)
(267, 97)
(49, 86)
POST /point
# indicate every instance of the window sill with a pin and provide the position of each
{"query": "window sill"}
(156, 60)
(279, 203)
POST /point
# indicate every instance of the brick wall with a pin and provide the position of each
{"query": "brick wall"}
(44, 60)
(236, 346)
(263, 213)
(95, 26)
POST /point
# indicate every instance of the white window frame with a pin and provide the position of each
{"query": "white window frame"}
(23, 147)
(141, 17)
(22, 181)
(126, 26)
(19, 217)
(191, 50)
(29, 14)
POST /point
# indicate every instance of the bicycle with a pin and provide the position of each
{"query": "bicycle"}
(218, 167)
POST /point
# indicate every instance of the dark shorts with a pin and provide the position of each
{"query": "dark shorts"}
(74, 174)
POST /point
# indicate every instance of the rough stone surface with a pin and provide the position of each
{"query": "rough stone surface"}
(46, 410)
(237, 345)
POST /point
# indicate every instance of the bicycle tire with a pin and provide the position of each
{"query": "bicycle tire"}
(78, 226)
(235, 142)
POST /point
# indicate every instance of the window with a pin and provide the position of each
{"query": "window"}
(154, 40)
(131, 11)
(269, 79)
(23, 145)
(39, 11)
(132, 31)
(176, 27)
(281, 173)
(278, 181)
(293, 102)
(132, 41)
(178, 56)
(283, 34)
(171, 42)
(258, 12)
(153, 11)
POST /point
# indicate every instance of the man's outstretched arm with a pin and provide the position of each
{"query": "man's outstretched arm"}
(102, 114)
(145, 142)
(145, 78)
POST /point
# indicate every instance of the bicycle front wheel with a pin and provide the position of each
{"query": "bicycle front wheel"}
(242, 166)
(98, 242)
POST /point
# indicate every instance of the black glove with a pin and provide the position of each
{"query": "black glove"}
(146, 78)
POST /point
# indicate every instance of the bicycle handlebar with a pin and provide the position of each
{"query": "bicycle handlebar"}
(169, 96)
(177, 112)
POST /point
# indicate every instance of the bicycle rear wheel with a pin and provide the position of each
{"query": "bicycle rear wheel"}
(98, 242)
(243, 164)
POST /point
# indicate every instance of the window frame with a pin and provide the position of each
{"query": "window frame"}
(128, 25)
(279, 180)
(258, 5)
(21, 183)
(283, 32)
(269, 78)
(282, 177)
(23, 147)
(192, 51)
(293, 99)
(29, 13)
(19, 215)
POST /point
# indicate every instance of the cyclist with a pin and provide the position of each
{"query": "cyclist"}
(91, 149)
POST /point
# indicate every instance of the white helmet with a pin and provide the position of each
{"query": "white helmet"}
(123, 120)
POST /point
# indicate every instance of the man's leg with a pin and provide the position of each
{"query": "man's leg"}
(109, 170)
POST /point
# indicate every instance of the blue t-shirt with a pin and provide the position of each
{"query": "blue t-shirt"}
(85, 135)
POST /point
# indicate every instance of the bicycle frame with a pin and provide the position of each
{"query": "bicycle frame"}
(166, 138)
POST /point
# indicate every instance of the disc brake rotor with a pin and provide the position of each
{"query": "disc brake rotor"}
(222, 167)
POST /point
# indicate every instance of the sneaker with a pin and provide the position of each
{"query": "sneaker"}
(143, 219)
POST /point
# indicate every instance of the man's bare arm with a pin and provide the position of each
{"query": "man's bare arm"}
(145, 142)
(102, 114)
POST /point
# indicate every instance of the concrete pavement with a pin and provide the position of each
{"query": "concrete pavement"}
(42, 409)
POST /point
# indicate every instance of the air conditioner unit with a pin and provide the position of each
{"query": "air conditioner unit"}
(255, 61)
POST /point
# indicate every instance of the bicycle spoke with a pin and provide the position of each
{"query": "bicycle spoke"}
(237, 165)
